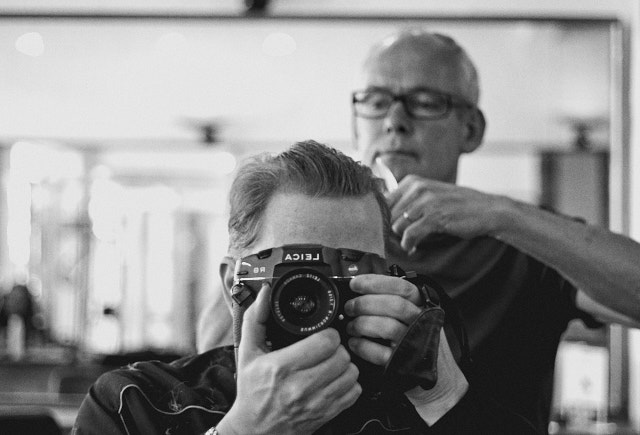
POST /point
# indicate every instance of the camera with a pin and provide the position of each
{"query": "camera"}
(310, 285)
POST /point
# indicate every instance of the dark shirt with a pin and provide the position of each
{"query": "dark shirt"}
(192, 394)
(514, 309)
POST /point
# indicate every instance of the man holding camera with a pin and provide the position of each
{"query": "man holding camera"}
(304, 208)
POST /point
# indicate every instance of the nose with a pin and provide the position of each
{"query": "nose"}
(398, 120)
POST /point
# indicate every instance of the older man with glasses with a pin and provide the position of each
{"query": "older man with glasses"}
(519, 273)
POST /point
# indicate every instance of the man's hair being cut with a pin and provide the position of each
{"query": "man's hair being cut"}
(308, 167)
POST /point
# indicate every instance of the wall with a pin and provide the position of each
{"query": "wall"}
(150, 79)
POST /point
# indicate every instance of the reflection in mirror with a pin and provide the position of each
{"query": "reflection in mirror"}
(121, 136)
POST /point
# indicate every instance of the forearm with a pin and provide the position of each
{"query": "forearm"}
(605, 265)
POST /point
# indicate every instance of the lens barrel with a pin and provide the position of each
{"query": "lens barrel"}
(304, 301)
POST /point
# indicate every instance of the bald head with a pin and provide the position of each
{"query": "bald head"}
(438, 58)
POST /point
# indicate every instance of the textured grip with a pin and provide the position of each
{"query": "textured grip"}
(414, 360)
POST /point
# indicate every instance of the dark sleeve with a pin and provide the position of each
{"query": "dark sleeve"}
(480, 415)
(570, 292)
(97, 416)
(149, 398)
(564, 302)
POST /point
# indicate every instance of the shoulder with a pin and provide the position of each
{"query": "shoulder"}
(153, 394)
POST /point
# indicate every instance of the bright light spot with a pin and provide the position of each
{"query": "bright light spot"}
(71, 197)
(104, 336)
(159, 264)
(225, 162)
(32, 163)
(19, 221)
(105, 209)
(172, 42)
(37, 162)
(107, 286)
(30, 44)
(279, 44)
(40, 197)
(159, 333)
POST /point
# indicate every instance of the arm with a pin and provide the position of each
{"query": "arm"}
(602, 264)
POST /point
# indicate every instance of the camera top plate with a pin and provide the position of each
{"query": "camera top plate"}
(335, 263)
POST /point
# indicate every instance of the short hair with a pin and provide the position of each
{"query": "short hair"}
(464, 63)
(308, 167)
(447, 47)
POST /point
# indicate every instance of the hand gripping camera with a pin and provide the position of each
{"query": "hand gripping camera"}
(310, 286)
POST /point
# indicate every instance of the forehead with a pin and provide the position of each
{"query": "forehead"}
(354, 223)
(407, 64)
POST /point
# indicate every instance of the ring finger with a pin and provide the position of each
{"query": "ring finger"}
(407, 218)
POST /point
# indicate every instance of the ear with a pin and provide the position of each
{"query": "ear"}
(475, 125)
(227, 268)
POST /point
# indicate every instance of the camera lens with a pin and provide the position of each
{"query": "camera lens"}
(303, 305)
(304, 301)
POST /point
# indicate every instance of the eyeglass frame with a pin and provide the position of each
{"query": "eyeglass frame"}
(451, 100)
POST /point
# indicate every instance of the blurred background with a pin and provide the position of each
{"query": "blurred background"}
(122, 124)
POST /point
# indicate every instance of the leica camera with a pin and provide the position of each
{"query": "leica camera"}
(310, 285)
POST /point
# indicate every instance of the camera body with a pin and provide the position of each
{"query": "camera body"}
(310, 285)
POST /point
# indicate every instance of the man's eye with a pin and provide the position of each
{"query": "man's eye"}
(377, 101)
(428, 102)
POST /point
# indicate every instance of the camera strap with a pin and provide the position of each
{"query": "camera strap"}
(242, 297)
(453, 326)
(414, 360)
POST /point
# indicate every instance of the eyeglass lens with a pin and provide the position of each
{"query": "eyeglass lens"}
(419, 104)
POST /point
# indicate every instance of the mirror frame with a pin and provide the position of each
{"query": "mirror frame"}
(619, 115)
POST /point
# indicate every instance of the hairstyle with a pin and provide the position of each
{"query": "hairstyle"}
(448, 49)
(308, 167)
(461, 58)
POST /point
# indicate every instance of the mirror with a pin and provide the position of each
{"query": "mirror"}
(119, 137)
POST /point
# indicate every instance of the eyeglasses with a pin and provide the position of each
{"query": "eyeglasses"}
(419, 103)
